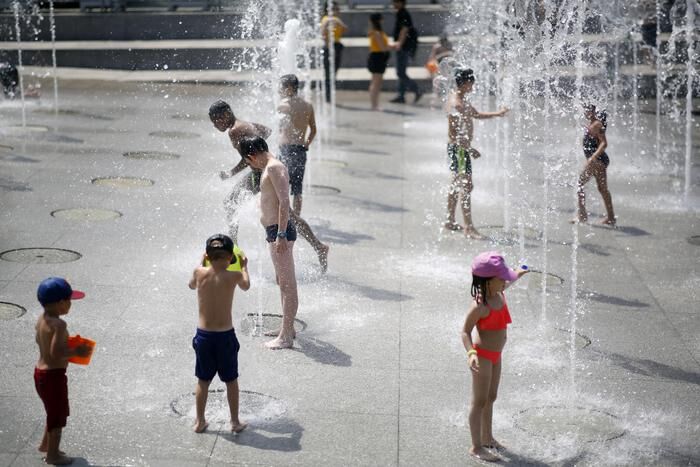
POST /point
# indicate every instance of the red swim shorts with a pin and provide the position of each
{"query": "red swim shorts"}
(52, 387)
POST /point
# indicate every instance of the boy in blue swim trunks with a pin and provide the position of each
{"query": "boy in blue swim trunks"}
(215, 343)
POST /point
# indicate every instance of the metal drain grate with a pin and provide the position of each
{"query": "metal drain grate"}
(123, 182)
(151, 155)
(86, 214)
(10, 311)
(40, 255)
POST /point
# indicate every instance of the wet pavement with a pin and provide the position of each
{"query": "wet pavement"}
(119, 192)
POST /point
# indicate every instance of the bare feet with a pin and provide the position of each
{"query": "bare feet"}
(200, 426)
(493, 444)
(322, 253)
(608, 221)
(278, 344)
(277, 333)
(453, 226)
(238, 427)
(578, 220)
(484, 455)
(60, 460)
(472, 233)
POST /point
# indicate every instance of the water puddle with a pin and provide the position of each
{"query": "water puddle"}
(252, 324)
(587, 425)
(253, 406)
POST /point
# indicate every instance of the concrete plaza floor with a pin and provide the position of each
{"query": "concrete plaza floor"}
(378, 375)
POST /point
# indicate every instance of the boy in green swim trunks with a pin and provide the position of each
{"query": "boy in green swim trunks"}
(460, 132)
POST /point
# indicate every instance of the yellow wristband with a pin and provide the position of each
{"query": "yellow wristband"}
(471, 352)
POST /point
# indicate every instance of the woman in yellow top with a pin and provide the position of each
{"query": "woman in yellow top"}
(378, 57)
(332, 25)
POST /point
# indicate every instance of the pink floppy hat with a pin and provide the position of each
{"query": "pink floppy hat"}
(491, 264)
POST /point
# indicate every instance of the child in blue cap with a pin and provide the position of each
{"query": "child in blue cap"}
(55, 295)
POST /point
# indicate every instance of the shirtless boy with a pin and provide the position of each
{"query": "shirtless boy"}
(55, 295)
(223, 119)
(296, 116)
(280, 231)
(215, 343)
(460, 133)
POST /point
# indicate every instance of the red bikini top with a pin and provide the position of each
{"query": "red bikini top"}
(496, 319)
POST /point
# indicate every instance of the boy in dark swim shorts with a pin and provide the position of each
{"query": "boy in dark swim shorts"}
(55, 295)
(294, 157)
(297, 131)
(215, 343)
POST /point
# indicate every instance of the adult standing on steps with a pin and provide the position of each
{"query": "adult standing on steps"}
(332, 30)
(406, 43)
(221, 115)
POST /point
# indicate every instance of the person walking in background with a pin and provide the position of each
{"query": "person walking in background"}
(378, 57)
(332, 27)
(405, 44)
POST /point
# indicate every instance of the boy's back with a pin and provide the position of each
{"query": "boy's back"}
(215, 296)
(297, 116)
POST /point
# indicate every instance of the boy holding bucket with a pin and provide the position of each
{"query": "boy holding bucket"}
(55, 295)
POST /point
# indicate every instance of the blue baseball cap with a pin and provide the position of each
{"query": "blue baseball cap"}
(55, 289)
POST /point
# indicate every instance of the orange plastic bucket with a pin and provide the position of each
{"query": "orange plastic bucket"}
(75, 341)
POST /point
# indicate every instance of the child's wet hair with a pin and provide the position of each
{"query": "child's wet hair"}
(480, 288)
(290, 81)
(464, 75)
(219, 109)
(251, 146)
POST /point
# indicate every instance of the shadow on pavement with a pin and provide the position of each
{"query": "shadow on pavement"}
(364, 173)
(645, 367)
(8, 184)
(280, 435)
(602, 298)
(599, 250)
(18, 158)
(340, 237)
(372, 205)
(322, 351)
(627, 230)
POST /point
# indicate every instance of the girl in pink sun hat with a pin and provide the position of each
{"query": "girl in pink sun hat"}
(489, 314)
